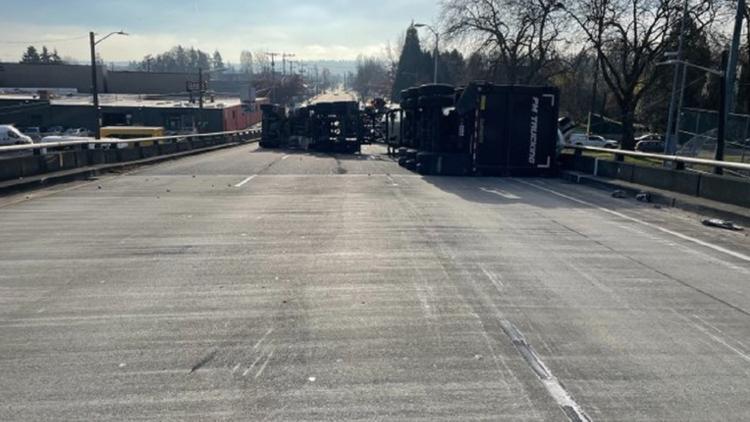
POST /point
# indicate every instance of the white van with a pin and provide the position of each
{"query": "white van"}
(9, 135)
(582, 139)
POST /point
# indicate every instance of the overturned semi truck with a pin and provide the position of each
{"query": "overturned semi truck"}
(326, 127)
(482, 129)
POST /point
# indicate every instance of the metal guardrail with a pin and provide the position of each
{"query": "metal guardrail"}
(679, 161)
(111, 141)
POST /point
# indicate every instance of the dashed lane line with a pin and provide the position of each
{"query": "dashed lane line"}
(246, 181)
(498, 192)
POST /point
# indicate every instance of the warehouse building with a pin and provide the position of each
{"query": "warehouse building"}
(46, 109)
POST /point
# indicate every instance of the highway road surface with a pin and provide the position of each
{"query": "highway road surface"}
(333, 96)
(258, 285)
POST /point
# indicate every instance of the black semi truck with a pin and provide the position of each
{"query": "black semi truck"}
(482, 129)
(326, 127)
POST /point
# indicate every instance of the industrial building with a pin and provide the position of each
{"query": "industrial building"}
(176, 114)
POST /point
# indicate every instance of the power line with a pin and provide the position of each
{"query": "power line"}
(43, 41)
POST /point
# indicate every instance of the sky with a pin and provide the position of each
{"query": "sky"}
(313, 29)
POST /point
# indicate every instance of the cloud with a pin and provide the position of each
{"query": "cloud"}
(315, 29)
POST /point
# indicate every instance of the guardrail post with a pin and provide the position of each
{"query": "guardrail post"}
(619, 158)
(678, 165)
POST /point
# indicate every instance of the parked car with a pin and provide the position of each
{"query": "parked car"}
(9, 135)
(650, 137)
(33, 132)
(77, 132)
(650, 146)
(55, 130)
(582, 139)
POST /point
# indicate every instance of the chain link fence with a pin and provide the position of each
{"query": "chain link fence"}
(698, 130)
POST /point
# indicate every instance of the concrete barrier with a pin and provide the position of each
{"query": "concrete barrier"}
(667, 179)
(10, 168)
(165, 149)
(725, 189)
(128, 154)
(584, 164)
(149, 151)
(30, 165)
(615, 170)
(80, 155)
(51, 163)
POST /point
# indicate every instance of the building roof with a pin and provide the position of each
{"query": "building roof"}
(128, 100)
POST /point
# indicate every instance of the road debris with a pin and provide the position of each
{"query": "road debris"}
(619, 194)
(722, 224)
(643, 197)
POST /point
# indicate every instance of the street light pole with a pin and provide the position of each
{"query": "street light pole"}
(94, 85)
(437, 47)
(95, 88)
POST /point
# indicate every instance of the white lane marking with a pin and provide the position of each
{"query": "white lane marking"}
(506, 195)
(263, 338)
(551, 383)
(715, 328)
(285, 157)
(645, 223)
(247, 371)
(246, 181)
(496, 281)
(716, 338)
(263, 368)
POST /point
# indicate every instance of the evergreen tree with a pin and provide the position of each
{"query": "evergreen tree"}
(411, 65)
(31, 56)
(44, 58)
(217, 61)
(55, 58)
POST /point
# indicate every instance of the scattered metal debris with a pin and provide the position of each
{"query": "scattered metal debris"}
(643, 197)
(722, 224)
(619, 194)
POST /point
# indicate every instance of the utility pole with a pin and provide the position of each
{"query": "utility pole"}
(273, 73)
(734, 52)
(285, 56)
(201, 91)
(726, 86)
(670, 140)
(317, 81)
(201, 88)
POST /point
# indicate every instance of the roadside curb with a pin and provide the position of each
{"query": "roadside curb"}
(91, 171)
(665, 198)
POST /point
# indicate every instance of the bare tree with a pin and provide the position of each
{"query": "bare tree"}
(518, 36)
(372, 78)
(629, 38)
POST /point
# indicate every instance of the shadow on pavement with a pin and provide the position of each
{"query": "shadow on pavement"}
(508, 191)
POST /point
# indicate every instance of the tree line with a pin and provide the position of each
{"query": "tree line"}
(33, 56)
(180, 59)
(604, 55)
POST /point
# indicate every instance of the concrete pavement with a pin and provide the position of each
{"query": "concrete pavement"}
(246, 284)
